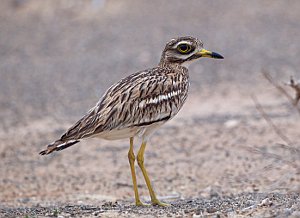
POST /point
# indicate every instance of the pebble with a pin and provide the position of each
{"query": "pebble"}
(211, 210)
(266, 202)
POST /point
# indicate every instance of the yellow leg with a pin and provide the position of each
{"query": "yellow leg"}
(140, 159)
(131, 159)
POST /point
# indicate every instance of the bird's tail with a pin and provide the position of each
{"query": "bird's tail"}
(57, 146)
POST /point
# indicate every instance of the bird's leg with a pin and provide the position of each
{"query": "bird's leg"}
(140, 160)
(131, 159)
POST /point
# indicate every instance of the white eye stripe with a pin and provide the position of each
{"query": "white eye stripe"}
(182, 42)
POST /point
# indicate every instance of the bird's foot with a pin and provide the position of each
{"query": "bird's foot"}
(156, 202)
(141, 204)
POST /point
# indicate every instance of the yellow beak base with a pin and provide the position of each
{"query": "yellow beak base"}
(205, 53)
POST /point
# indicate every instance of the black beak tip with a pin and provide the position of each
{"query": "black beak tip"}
(216, 55)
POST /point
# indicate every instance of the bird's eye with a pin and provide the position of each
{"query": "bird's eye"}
(184, 48)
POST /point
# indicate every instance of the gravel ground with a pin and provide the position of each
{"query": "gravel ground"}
(218, 158)
(246, 204)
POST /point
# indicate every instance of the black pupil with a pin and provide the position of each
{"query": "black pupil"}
(184, 48)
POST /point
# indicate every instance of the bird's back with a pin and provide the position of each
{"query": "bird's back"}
(133, 104)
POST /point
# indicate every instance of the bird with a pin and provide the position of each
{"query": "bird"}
(138, 105)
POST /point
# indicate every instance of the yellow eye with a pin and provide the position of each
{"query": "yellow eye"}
(184, 48)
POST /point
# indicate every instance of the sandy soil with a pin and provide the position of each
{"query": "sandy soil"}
(218, 158)
(214, 153)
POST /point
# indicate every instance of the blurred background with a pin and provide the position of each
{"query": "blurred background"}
(58, 57)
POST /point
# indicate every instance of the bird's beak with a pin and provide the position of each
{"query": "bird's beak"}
(209, 54)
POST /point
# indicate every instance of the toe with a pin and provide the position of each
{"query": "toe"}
(159, 203)
(141, 204)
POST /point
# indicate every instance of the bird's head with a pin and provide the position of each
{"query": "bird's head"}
(184, 50)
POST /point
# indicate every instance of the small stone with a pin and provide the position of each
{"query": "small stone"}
(198, 211)
(211, 210)
(231, 123)
(266, 202)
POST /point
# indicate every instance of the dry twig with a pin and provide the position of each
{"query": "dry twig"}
(282, 90)
(270, 122)
(296, 86)
(274, 156)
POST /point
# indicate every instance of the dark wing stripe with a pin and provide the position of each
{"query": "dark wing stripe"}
(154, 121)
(123, 97)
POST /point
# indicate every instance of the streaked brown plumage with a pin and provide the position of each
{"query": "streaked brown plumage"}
(140, 103)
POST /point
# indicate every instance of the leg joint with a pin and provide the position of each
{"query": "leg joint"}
(131, 156)
(140, 160)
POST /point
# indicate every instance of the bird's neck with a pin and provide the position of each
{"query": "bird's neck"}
(174, 65)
